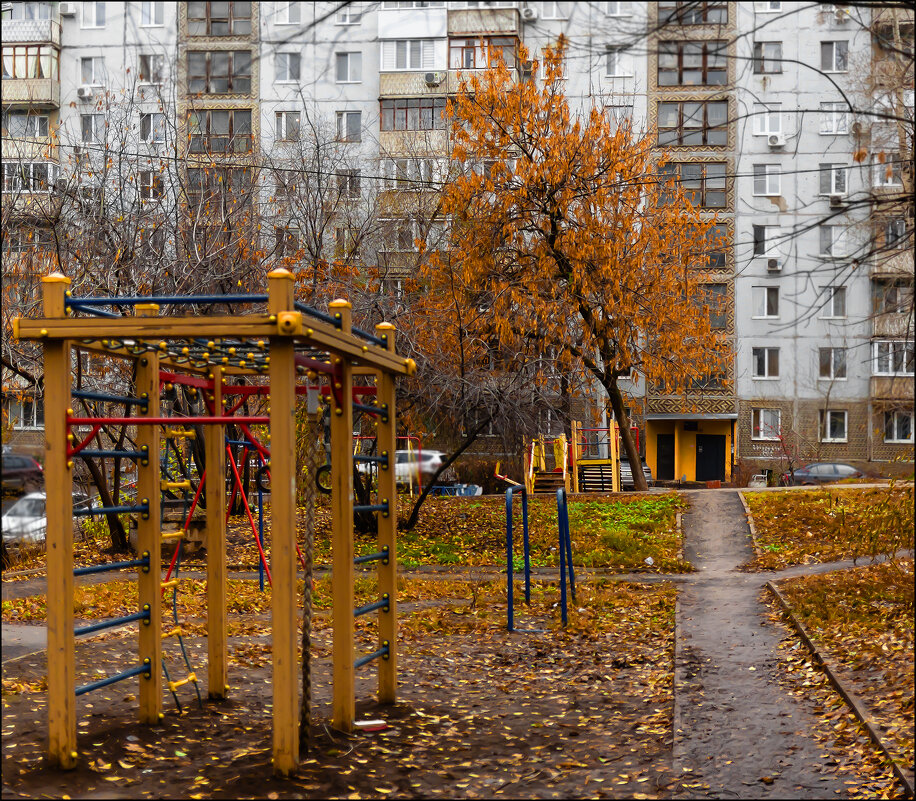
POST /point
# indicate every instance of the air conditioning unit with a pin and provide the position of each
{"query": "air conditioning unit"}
(68, 9)
(774, 265)
(84, 92)
(434, 78)
(529, 14)
(837, 201)
(842, 15)
(776, 140)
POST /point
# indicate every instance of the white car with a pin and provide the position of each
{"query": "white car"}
(411, 465)
(26, 522)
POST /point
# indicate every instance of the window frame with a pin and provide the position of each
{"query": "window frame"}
(13, 174)
(556, 9)
(769, 242)
(343, 118)
(151, 76)
(893, 416)
(762, 61)
(835, 307)
(152, 9)
(892, 295)
(151, 188)
(349, 56)
(896, 350)
(392, 110)
(232, 21)
(95, 6)
(763, 113)
(285, 18)
(345, 15)
(235, 78)
(767, 172)
(39, 61)
(155, 127)
(831, 171)
(838, 242)
(617, 52)
(207, 136)
(703, 189)
(99, 73)
(42, 121)
(837, 54)
(759, 426)
(761, 309)
(834, 367)
(683, 131)
(836, 113)
(888, 172)
(681, 10)
(291, 59)
(826, 415)
(282, 125)
(348, 183)
(37, 417)
(763, 357)
(710, 48)
(97, 134)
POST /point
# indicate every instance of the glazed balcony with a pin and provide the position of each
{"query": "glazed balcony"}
(898, 387)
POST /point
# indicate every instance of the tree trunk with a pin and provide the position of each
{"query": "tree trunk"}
(639, 477)
(119, 541)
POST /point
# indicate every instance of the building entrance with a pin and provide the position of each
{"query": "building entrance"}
(710, 457)
(664, 456)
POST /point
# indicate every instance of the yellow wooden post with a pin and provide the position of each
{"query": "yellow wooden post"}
(387, 527)
(614, 436)
(59, 536)
(343, 703)
(283, 530)
(215, 496)
(149, 531)
(574, 457)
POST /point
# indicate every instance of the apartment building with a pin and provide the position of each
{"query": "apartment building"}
(750, 99)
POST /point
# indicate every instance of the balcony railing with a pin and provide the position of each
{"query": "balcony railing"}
(32, 92)
(478, 21)
(38, 31)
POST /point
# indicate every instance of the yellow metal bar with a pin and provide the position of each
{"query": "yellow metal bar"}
(574, 443)
(171, 535)
(59, 538)
(166, 584)
(148, 533)
(174, 685)
(387, 529)
(283, 532)
(172, 433)
(215, 496)
(175, 632)
(343, 707)
(165, 486)
(614, 437)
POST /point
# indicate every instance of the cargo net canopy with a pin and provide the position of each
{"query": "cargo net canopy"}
(277, 348)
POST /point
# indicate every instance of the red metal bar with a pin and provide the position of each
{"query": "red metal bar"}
(187, 380)
(96, 427)
(167, 421)
(187, 522)
(234, 486)
(238, 479)
(313, 364)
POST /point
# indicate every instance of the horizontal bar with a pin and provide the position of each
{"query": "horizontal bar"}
(383, 652)
(113, 623)
(167, 300)
(100, 313)
(372, 507)
(102, 396)
(174, 685)
(186, 380)
(382, 603)
(104, 510)
(134, 671)
(371, 337)
(85, 571)
(381, 555)
(165, 421)
(312, 312)
(86, 454)
(371, 409)
(378, 459)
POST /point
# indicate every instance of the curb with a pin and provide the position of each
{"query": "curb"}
(680, 533)
(750, 523)
(853, 701)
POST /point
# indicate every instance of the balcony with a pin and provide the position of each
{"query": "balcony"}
(31, 92)
(889, 263)
(480, 21)
(412, 84)
(899, 387)
(893, 326)
(413, 143)
(31, 31)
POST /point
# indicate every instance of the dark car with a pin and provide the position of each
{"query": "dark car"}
(21, 473)
(821, 473)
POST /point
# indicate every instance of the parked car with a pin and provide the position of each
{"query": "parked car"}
(21, 473)
(411, 465)
(26, 522)
(626, 475)
(820, 473)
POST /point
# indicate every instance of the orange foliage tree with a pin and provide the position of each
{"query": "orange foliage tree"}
(564, 232)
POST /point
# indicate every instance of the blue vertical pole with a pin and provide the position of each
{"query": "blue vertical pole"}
(561, 510)
(509, 556)
(569, 562)
(260, 527)
(527, 547)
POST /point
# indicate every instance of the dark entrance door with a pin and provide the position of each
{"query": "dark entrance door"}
(710, 457)
(664, 457)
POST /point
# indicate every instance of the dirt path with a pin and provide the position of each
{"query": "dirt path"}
(737, 733)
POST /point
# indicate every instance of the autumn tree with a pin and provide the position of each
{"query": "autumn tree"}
(565, 232)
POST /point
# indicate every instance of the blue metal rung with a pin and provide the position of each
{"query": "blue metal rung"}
(100, 313)
(101, 396)
(134, 671)
(85, 571)
(378, 556)
(365, 660)
(372, 507)
(112, 623)
(87, 454)
(382, 411)
(169, 300)
(371, 337)
(382, 460)
(382, 603)
(299, 306)
(104, 510)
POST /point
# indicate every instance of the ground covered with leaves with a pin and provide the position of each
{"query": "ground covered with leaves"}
(863, 620)
(580, 712)
(827, 525)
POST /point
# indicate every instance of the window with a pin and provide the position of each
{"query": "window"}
(152, 13)
(693, 123)
(553, 9)
(229, 184)
(613, 9)
(350, 14)
(219, 18)
(408, 54)
(886, 170)
(835, 304)
(767, 58)
(92, 71)
(765, 239)
(893, 234)
(220, 131)
(898, 426)
(345, 241)
(833, 179)
(92, 128)
(834, 119)
(22, 125)
(716, 244)
(690, 13)
(286, 242)
(26, 412)
(767, 119)
(27, 11)
(833, 240)
(832, 363)
(404, 174)
(716, 297)
(765, 300)
(616, 62)
(219, 72)
(692, 63)
(93, 15)
(349, 126)
(348, 183)
(833, 425)
(152, 68)
(834, 56)
(766, 179)
(30, 61)
(413, 114)
(349, 67)
(766, 8)
(893, 357)
(892, 296)
(703, 184)
(765, 362)
(28, 176)
(290, 13)
(618, 114)
(150, 184)
(287, 126)
(390, 4)
(287, 66)
(152, 128)
(765, 424)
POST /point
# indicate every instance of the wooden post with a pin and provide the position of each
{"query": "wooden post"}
(343, 702)
(283, 530)
(574, 459)
(215, 497)
(387, 527)
(149, 532)
(59, 538)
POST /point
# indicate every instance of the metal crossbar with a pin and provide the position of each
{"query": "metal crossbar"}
(382, 603)
(134, 671)
(319, 315)
(104, 510)
(85, 394)
(382, 411)
(110, 624)
(372, 507)
(167, 300)
(371, 337)
(383, 460)
(85, 571)
(84, 454)
(365, 660)
(381, 556)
